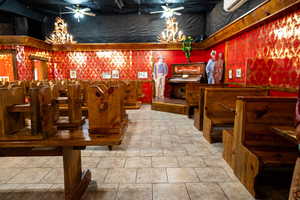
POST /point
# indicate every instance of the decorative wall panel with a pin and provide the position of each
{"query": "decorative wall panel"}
(268, 55)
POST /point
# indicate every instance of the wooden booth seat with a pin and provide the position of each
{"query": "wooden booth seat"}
(195, 101)
(194, 93)
(252, 147)
(219, 109)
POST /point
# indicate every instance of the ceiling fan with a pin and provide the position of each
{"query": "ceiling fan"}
(79, 12)
(168, 12)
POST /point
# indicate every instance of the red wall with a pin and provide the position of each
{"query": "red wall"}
(91, 65)
(267, 55)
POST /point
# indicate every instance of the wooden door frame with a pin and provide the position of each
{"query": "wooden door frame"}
(39, 58)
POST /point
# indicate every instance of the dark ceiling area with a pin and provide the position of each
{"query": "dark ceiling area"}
(53, 7)
(116, 20)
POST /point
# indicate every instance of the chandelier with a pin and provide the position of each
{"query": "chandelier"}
(60, 33)
(171, 34)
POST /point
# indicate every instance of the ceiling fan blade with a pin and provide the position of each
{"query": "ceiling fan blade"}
(165, 7)
(63, 13)
(85, 9)
(69, 8)
(179, 8)
(155, 12)
(89, 14)
(177, 13)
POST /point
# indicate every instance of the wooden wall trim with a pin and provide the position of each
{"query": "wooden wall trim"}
(114, 46)
(25, 41)
(254, 18)
(281, 89)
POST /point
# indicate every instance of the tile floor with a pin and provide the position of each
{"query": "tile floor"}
(162, 157)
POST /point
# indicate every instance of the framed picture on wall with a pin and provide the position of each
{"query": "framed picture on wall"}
(115, 74)
(106, 75)
(142, 75)
(238, 73)
(230, 74)
(73, 74)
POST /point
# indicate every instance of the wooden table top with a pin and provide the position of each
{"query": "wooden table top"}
(288, 132)
(69, 138)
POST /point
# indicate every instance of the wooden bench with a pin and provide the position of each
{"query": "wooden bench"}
(132, 94)
(255, 147)
(72, 104)
(219, 109)
(106, 110)
(194, 93)
(13, 112)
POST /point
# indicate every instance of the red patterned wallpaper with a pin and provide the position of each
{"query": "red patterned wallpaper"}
(91, 65)
(268, 55)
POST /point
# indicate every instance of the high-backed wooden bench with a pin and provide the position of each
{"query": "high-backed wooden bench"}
(73, 104)
(194, 92)
(13, 109)
(255, 146)
(219, 109)
(132, 94)
(106, 110)
(195, 101)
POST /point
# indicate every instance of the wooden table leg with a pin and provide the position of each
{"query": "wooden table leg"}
(76, 181)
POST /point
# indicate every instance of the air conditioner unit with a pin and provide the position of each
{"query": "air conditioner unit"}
(232, 5)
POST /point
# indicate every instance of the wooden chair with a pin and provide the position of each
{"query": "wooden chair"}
(255, 147)
(219, 109)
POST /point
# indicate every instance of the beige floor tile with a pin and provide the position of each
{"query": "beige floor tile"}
(11, 162)
(113, 162)
(236, 191)
(182, 175)
(164, 162)
(205, 191)
(102, 192)
(210, 174)
(152, 175)
(8, 173)
(103, 153)
(138, 162)
(215, 162)
(152, 152)
(99, 174)
(135, 192)
(54, 162)
(90, 162)
(121, 175)
(190, 161)
(175, 152)
(170, 192)
(56, 175)
(34, 161)
(30, 175)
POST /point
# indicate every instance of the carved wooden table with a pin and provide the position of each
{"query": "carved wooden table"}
(66, 143)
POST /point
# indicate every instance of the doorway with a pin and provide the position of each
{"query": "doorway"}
(8, 70)
(40, 68)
